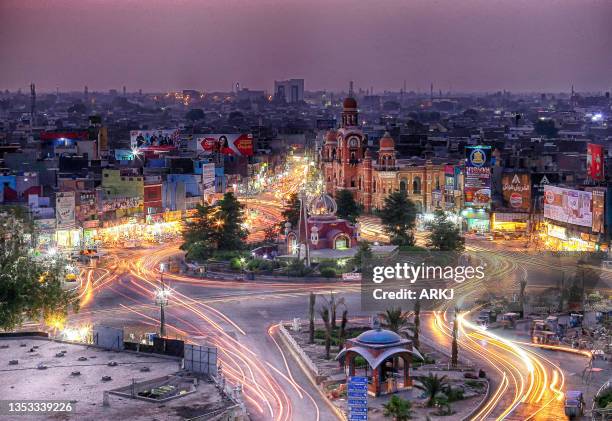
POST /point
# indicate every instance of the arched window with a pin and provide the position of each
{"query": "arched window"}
(352, 181)
(403, 184)
(352, 156)
(416, 185)
(360, 183)
(374, 186)
(437, 183)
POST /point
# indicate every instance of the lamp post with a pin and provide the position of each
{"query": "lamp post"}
(161, 298)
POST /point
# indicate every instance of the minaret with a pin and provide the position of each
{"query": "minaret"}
(32, 104)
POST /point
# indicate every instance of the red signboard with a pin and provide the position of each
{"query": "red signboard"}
(64, 135)
(595, 161)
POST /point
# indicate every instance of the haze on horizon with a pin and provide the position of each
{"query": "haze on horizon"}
(155, 45)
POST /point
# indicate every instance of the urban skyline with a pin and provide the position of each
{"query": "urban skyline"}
(475, 46)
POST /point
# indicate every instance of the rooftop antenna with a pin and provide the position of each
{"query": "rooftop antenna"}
(431, 91)
(351, 88)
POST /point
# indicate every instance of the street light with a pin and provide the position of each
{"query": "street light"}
(161, 298)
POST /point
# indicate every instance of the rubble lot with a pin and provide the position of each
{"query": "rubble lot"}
(56, 382)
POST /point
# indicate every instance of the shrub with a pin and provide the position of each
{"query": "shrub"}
(328, 272)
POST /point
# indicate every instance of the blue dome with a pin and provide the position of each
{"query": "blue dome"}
(379, 337)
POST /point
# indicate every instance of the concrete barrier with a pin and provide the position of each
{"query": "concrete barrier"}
(298, 350)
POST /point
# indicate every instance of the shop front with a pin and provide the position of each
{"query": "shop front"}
(558, 238)
(476, 220)
(510, 222)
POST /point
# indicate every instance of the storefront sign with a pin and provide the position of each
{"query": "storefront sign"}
(557, 232)
(598, 210)
(595, 161)
(477, 186)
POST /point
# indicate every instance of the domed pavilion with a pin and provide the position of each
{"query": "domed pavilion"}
(385, 359)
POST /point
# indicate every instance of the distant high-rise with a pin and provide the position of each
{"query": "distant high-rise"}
(291, 90)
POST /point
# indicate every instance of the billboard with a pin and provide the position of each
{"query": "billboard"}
(478, 156)
(516, 191)
(208, 178)
(226, 144)
(65, 209)
(154, 138)
(598, 210)
(477, 186)
(595, 161)
(570, 206)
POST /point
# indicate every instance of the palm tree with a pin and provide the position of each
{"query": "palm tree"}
(394, 319)
(333, 304)
(342, 334)
(311, 317)
(432, 385)
(398, 408)
(324, 312)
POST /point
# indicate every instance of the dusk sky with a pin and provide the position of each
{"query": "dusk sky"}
(155, 45)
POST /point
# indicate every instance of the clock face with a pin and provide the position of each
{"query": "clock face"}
(353, 142)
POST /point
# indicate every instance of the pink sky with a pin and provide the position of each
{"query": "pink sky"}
(543, 45)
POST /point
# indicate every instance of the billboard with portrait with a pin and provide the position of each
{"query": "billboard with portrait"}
(569, 206)
(143, 139)
(226, 144)
(516, 191)
(595, 161)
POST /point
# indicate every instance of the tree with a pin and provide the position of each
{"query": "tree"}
(417, 324)
(397, 408)
(432, 385)
(394, 319)
(347, 207)
(218, 227)
(363, 255)
(324, 313)
(454, 345)
(229, 223)
(522, 287)
(397, 216)
(291, 213)
(311, 317)
(30, 286)
(444, 235)
(200, 236)
(270, 234)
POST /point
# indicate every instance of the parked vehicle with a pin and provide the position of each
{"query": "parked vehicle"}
(545, 337)
(575, 320)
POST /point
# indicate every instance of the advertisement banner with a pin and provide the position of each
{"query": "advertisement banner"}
(208, 178)
(570, 206)
(477, 186)
(226, 144)
(516, 191)
(65, 209)
(595, 161)
(478, 156)
(598, 210)
(154, 138)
